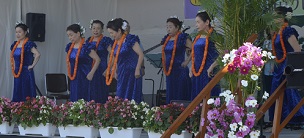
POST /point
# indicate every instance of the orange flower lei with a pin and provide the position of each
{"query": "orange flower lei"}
(167, 72)
(22, 57)
(109, 80)
(282, 44)
(205, 53)
(97, 43)
(76, 60)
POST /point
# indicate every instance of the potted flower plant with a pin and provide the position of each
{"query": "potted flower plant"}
(122, 117)
(76, 119)
(159, 119)
(34, 116)
(232, 121)
(6, 126)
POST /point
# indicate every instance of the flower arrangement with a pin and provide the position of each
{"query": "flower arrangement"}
(245, 65)
(159, 119)
(122, 113)
(79, 113)
(232, 121)
(5, 110)
(33, 112)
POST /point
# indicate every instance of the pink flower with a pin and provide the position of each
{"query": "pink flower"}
(244, 70)
(249, 123)
(217, 102)
(240, 134)
(231, 68)
(248, 63)
(237, 61)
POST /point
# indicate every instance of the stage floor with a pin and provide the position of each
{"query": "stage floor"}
(286, 133)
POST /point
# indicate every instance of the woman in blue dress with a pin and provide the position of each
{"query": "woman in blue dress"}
(204, 55)
(178, 82)
(99, 90)
(125, 61)
(79, 60)
(24, 57)
(290, 44)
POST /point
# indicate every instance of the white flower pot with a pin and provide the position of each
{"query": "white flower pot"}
(184, 134)
(124, 133)
(47, 130)
(154, 135)
(80, 131)
(5, 128)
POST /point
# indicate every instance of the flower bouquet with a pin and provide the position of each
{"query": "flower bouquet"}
(245, 65)
(232, 121)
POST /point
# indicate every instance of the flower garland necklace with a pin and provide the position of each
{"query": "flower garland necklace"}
(282, 44)
(97, 44)
(76, 59)
(22, 57)
(167, 72)
(109, 80)
(205, 53)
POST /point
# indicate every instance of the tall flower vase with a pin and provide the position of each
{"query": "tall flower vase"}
(5, 128)
(44, 130)
(78, 131)
(184, 134)
(154, 135)
(124, 133)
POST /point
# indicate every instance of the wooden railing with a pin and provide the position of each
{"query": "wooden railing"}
(278, 98)
(202, 96)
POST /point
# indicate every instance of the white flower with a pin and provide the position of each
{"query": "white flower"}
(233, 126)
(254, 77)
(264, 53)
(265, 95)
(232, 54)
(243, 128)
(254, 134)
(19, 22)
(228, 98)
(269, 55)
(244, 83)
(231, 134)
(288, 15)
(91, 23)
(174, 17)
(251, 103)
(240, 123)
(210, 101)
(124, 25)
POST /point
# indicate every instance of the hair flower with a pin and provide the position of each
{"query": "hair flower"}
(82, 29)
(124, 25)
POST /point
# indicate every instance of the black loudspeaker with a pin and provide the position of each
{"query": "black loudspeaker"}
(36, 24)
(161, 97)
(295, 70)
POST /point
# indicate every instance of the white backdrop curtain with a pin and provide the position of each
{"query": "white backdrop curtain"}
(146, 17)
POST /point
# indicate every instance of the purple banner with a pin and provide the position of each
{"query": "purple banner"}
(191, 8)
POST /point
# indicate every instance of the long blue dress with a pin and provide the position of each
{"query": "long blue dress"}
(80, 86)
(199, 82)
(291, 96)
(128, 87)
(100, 90)
(178, 83)
(24, 85)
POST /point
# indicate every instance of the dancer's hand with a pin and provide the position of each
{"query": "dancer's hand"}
(30, 67)
(137, 73)
(90, 76)
(210, 72)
